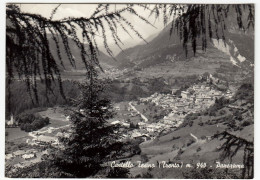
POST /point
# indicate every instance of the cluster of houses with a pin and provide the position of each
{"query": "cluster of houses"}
(29, 154)
(114, 73)
(28, 157)
(49, 136)
(195, 99)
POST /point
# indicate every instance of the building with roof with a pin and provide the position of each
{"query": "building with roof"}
(185, 94)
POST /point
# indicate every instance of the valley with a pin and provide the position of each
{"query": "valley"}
(171, 107)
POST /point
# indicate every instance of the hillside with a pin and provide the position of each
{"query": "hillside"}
(194, 142)
(238, 48)
(104, 60)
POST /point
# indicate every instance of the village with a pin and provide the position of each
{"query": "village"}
(36, 146)
(135, 124)
(195, 99)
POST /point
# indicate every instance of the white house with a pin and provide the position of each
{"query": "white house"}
(185, 94)
(11, 122)
(28, 156)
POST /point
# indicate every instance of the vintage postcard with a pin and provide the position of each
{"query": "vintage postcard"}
(129, 90)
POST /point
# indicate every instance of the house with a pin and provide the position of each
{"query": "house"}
(68, 118)
(125, 124)
(141, 125)
(207, 88)
(196, 87)
(47, 139)
(117, 108)
(28, 156)
(11, 122)
(185, 94)
(168, 121)
(59, 134)
(18, 153)
(8, 156)
(150, 128)
(115, 122)
(208, 138)
(174, 91)
(145, 137)
(135, 135)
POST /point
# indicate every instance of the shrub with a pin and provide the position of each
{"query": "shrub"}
(191, 141)
(147, 175)
(201, 123)
(203, 137)
(198, 149)
(144, 158)
(31, 122)
(222, 112)
(180, 152)
(245, 123)
(174, 138)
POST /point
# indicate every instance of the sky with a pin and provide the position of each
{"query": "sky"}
(85, 10)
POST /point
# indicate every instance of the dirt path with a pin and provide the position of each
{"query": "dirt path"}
(142, 116)
(196, 139)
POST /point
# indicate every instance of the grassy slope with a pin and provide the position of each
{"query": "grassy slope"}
(162, 149)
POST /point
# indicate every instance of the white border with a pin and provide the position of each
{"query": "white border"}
(2, 62)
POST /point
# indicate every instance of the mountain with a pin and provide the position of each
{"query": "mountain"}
(161, 46)
(238, 48)
(104, 60)
(128, 43)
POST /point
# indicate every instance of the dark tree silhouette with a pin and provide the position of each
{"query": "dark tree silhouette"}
(230, 148)
(28, 53)
(196, 23)
(93, 140)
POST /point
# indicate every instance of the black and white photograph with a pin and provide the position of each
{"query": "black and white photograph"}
(129, 90)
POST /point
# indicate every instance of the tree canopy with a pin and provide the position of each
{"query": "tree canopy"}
(28, 53)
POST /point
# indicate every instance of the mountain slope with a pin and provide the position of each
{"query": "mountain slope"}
(104, 60)
(238, 45)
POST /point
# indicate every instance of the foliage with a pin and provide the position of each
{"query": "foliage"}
(20, 100)
(219, 104)
(189, 118)
(198, 149)
(209, 173)
(230, 148)
(144, 158)
(118, 173)
(174, 137)
(134, 126)
(31, 122)
(28, 53)
(195, 23)
(245, 92)
(92, 141)
(44, 169)
(246, 123)
(147, 175)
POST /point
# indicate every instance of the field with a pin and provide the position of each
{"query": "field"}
(15, 133)
(123, 114)
(57, 117)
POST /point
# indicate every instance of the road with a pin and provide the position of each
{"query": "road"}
(196, 139)
(142, 116)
